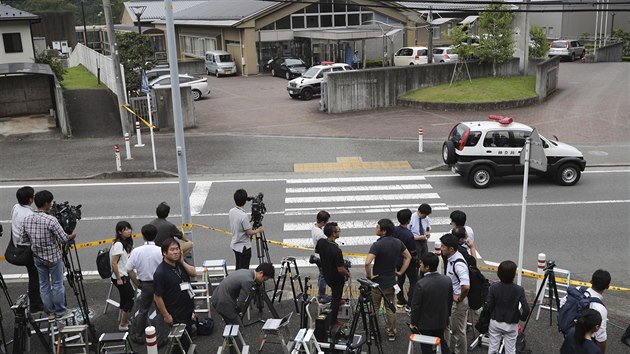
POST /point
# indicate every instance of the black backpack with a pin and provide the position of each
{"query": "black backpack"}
(478, 285)
(103, 264)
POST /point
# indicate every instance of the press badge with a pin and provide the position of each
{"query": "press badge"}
(186, 287)
(396, 289)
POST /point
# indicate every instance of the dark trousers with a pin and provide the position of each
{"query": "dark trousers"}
(35, 299)
(143, 306)
(337, 291)
(412, 274)
(428, 349)
(126, 292)
(243, 258)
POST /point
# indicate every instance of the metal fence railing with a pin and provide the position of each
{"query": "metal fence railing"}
(93, 61)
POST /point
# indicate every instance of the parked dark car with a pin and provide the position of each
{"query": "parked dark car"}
(288, 68)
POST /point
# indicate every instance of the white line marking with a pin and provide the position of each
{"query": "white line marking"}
(353, 224)
(391, 187)
(198, 196)
(360, 209)
(342, 241)
(356, 179)
(361, 198)
(574, 202)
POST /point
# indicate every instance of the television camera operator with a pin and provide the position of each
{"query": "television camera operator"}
(242, 231)
(334, 268)
(45, 235)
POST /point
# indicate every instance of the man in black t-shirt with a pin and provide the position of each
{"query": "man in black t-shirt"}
(385, 253)
(332, 266)
(172, 291)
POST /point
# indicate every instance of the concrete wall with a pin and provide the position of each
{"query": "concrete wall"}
(27, 55)
(26, 94)
(547, 77)
(375, 88)
(611, 52)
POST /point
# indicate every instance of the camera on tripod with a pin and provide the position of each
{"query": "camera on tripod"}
(549, 265)
(258, 208)
(367, 284)
(347, 264)
(66, 214)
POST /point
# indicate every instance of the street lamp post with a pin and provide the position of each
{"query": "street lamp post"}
(85, 41)
(138, 11)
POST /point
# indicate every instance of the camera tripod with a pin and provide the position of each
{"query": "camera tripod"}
(21, 331)
(262, 248)
(366, 311)
(550, 277)
(5, 291)
(284, 272)
(260, 298)
(74, 275)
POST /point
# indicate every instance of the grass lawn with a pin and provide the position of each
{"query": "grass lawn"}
(79, 77)
(487, 89)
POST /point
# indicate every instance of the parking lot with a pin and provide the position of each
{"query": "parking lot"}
(589, 107)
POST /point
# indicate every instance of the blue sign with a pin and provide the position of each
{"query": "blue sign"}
(144, 85)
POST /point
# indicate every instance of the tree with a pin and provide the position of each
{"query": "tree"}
(135, 52)
(459, 38)
(624, 37)
(539, 46)
(496, 45)
(44, 57)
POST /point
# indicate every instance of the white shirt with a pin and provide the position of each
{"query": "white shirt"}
(118, 250)
(239, 223)
(414, 225)
(145, 260)
(470, 235)
(601, 334)
(317, 234)
(462, 272)
(18, 214)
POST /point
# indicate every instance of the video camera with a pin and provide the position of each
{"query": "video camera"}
(550, 265)
(258, 208)
(367, 284)
(347, 264)
(66, 214)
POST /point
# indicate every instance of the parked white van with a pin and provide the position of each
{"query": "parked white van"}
(219, 62)
(411, 56)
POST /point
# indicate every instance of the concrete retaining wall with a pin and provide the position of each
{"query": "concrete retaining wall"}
(381, 87)
(26, 94)
(547, 77)
(611, 52)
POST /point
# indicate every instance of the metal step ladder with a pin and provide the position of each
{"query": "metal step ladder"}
(422, 339)
(305, 342)
(118, 342)
(78, 334)
(213, 272)
(233, 341)
(175, 339)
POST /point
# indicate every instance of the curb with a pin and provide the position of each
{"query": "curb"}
(470, 106)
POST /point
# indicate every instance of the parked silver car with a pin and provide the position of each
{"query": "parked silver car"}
(567, 49)
(444, 55)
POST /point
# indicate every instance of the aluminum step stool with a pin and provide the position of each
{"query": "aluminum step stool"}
(116, 342)
(562, 290)
(422, 339)
(305, 342)
(110, 301)
(275, 327)
(79, 333)
(175, 339)
(214, 271)
(230, 343)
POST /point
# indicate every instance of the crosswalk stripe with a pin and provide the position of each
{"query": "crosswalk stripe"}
(342, 241)
(389, 187)
(360, 209)
(360, 198)
(354, 224)
(355, 179)
(198, 196)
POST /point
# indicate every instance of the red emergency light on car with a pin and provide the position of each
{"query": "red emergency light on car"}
(501, 119)
(327, 63)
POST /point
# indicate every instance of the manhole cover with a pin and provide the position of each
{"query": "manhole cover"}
(598, 153)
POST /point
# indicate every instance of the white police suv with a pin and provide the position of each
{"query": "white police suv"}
(481, 151)
(310, 82)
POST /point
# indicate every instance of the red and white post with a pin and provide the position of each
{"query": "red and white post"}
(420, 138)
(151, 337)
(138, 135)
(127, 147)
(542, 261)
(117, 154)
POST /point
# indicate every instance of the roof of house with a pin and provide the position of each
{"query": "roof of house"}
(448, 6)
(8, 13)
(25, 68)
(223, 10)
(155, 9)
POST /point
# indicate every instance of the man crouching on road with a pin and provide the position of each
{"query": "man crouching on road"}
(173, 294)
(229, 297)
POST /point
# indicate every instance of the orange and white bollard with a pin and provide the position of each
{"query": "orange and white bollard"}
(151, 338)
(138, 135)
(420, 138)
(127, 147)
(117, 154)
(542, 262)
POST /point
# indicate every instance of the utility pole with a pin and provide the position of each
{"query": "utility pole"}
(85, 41)
(430, 41)
(120, 88)
(180, 145)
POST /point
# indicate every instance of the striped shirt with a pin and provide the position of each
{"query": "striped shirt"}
(45, 235)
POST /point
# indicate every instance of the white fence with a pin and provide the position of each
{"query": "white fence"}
(93, 60)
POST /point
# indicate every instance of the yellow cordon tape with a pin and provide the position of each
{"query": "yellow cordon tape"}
(137, 115)
(526, 273)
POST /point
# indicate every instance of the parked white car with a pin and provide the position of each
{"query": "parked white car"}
(198, 85)
(411, 56)
(444, 55)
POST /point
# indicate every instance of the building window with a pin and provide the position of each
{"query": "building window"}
(436, 31)
(353, 20)
(283, 23)
(340, 20)
(297, 21)
(196, 47)
(12, 42)
(312, 21)
(327, 21)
